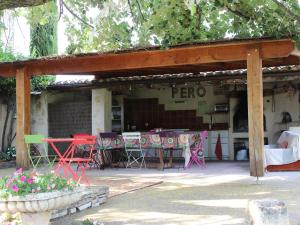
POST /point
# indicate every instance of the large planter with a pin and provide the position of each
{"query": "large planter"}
(35, 209)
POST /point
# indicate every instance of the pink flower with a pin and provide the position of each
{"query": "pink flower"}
(33, 190)
(29, 181)
(15, 188)
(23, 178)
(33, 174)
(19, 171)
(8, 182)
(38, 189)
(48, 188)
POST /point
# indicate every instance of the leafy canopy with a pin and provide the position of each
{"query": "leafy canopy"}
(43, 42)
(126, 23)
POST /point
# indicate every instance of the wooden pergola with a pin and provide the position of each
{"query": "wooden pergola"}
(214, 56)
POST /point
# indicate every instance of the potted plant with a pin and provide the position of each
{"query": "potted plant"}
(34, 196)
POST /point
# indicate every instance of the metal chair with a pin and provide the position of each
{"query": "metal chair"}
(37, 150)
(133, 149)
(197, 155)
(88, 142)
(84, 151)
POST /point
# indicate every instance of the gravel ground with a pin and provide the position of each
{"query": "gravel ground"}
(213, 196)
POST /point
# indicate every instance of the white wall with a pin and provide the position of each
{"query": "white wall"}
(17, 35)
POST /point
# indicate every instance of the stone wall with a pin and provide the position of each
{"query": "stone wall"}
(94, 197)
(69, 117)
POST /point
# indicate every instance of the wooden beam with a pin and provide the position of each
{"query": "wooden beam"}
(151, 59)
(255, 111)
(23, 116)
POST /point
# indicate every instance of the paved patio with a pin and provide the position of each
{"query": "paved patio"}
(215, 195)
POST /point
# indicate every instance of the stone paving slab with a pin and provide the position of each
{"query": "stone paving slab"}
(217, 195)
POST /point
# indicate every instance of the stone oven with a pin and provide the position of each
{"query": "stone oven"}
(240, 118)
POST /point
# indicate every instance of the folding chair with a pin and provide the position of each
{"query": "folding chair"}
(83, 151)
(82, 163)
(133, 149)
(37, 150)
(197, 155)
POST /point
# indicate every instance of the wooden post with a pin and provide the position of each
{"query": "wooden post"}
(23, 116)
(255, 112)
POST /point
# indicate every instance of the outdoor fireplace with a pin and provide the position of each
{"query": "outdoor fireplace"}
(240, 118)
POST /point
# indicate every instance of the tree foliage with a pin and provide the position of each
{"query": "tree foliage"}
(11, 4)
(8, 91)
(43, 41)
(125, 23)
(43, 29)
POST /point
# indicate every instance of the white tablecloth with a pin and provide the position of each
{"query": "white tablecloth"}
(278, 156)
(274, 155)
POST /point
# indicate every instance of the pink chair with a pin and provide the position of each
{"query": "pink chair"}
(197, 155)
(83, 162)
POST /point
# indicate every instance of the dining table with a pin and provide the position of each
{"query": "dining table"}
(152, 140)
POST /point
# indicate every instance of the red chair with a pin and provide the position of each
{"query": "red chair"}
(88, 141)
(84, 152)
(197, 155)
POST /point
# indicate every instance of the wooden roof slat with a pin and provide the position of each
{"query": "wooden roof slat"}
(206, 57)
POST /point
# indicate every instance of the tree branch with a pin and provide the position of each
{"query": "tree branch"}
(11, 4)
(199, 14)
(140, 10)
(287, 10)
(130, 8)
(76, 16)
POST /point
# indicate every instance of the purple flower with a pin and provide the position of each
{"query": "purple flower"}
(29, 181)
(23, 178)
(15, 188)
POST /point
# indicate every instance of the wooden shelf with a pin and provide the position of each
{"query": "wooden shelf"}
(213, 113)
(117, 117)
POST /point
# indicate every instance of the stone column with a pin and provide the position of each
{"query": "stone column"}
(267, 212)
(101, 110)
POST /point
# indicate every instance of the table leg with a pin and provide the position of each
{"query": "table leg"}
(161, 159)
(171, 158)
